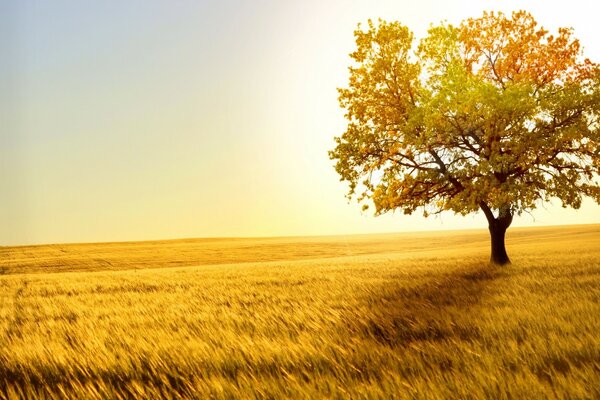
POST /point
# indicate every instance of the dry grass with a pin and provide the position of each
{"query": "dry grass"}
(382, 316)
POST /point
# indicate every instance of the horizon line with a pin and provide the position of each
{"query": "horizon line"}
(288, 236)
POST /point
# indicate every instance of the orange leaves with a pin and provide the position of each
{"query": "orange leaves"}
(496, 111)
(515, 49)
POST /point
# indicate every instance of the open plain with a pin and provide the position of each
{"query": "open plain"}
(407, 316)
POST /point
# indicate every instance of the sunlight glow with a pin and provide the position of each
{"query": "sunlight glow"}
(131, 120)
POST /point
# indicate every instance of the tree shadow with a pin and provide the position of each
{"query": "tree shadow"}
(441, 307)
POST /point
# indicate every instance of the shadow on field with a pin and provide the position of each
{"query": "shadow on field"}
(443, 307)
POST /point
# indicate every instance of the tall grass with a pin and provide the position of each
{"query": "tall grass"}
(416, 323)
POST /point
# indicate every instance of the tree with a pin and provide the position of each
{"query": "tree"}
(495, 114)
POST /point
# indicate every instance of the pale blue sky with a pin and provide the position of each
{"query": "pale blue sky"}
(125, 120)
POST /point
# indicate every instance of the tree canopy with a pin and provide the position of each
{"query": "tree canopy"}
(496, 114)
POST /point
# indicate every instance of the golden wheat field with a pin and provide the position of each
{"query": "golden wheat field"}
(406, 316)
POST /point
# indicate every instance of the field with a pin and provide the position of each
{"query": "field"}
(407, 316)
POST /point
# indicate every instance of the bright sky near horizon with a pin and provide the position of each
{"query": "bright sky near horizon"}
(132, 120)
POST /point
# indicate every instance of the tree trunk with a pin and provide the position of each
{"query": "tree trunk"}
(498, 226)
(499, 255)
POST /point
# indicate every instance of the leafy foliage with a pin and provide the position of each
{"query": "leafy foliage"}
(496, 113)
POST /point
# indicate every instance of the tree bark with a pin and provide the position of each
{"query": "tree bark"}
(498, 226)
(499, 255)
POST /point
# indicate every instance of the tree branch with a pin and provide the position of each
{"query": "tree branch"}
(487, 211)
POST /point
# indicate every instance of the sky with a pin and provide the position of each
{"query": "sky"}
(134, 120)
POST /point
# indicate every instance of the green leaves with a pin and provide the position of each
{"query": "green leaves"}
(494, 111)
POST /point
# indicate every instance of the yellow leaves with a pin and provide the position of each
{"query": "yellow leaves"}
(495, 110)
(384, 81)
(378, 42)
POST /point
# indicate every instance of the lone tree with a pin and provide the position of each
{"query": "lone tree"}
(496, 115)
